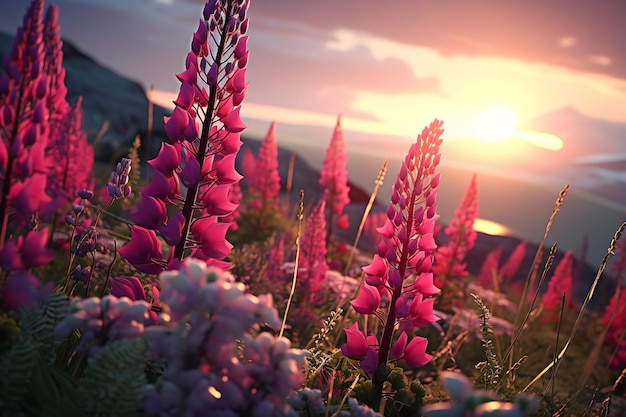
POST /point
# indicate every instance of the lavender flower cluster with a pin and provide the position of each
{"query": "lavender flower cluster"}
(102, 320)
(213, 360)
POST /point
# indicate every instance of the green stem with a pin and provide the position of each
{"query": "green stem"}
(390, 324)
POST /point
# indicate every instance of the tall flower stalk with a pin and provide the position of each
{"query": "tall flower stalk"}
(204, 130)
(450, 257)
(560, 283)
(489, 275)
(334, 179)
(265, 180)
(67, 145)
(313, 254)
(402, 268)
(24, 125)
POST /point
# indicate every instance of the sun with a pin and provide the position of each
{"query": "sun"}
(496, 123)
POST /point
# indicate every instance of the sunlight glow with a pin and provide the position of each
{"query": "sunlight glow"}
(491, 228)
(496, 123)
(541, 139)
(499, 123)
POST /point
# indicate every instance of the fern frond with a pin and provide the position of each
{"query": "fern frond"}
(114, 378)
(16, 368)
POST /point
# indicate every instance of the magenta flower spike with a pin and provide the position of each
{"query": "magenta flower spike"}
(334, 179)
(513, 263)
(449, 258)
(614, 316)
(266, 184)
(248, 168)
(204, 133)
(73, 156)
(24, 120)
(490, 269)
(275, 259)
(559, 284)
(406, 250)
(313, 253)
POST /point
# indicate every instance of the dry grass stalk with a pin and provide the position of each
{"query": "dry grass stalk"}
(379, 181)
(295, 268)
(605, 260)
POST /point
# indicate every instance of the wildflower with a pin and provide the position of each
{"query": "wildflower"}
(313, 252)
(266, 181)
(489, 272)
(334, 179)
(559, 284)
(24, 122)
(117, 185)
(102, 319)
(214, 362)
(511, 266)
(204, 129)
(449, 258)
(130, 287)
(406, 250)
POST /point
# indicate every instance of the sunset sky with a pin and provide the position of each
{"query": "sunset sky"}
(521, 85)
(388, 69)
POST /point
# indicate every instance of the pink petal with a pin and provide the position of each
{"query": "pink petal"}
(190, 174)
(151, 213)
(424, 284)
(158, 187)
(34, 251)
(168, 158)
(9, 255)
(127, 287)
(172, 231)
(232, 122)
(421, 311)
(370, 363)
(342, 222)
(31, 194)
(226, 172)
(185, 96)
(213, 237)
(368, 300)
(216, 200)
(376, 271)
(176, 124)
(356, 344)
(427, 242)
(142, 249)
(415, 353)
(241, 48)
(397, 349)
